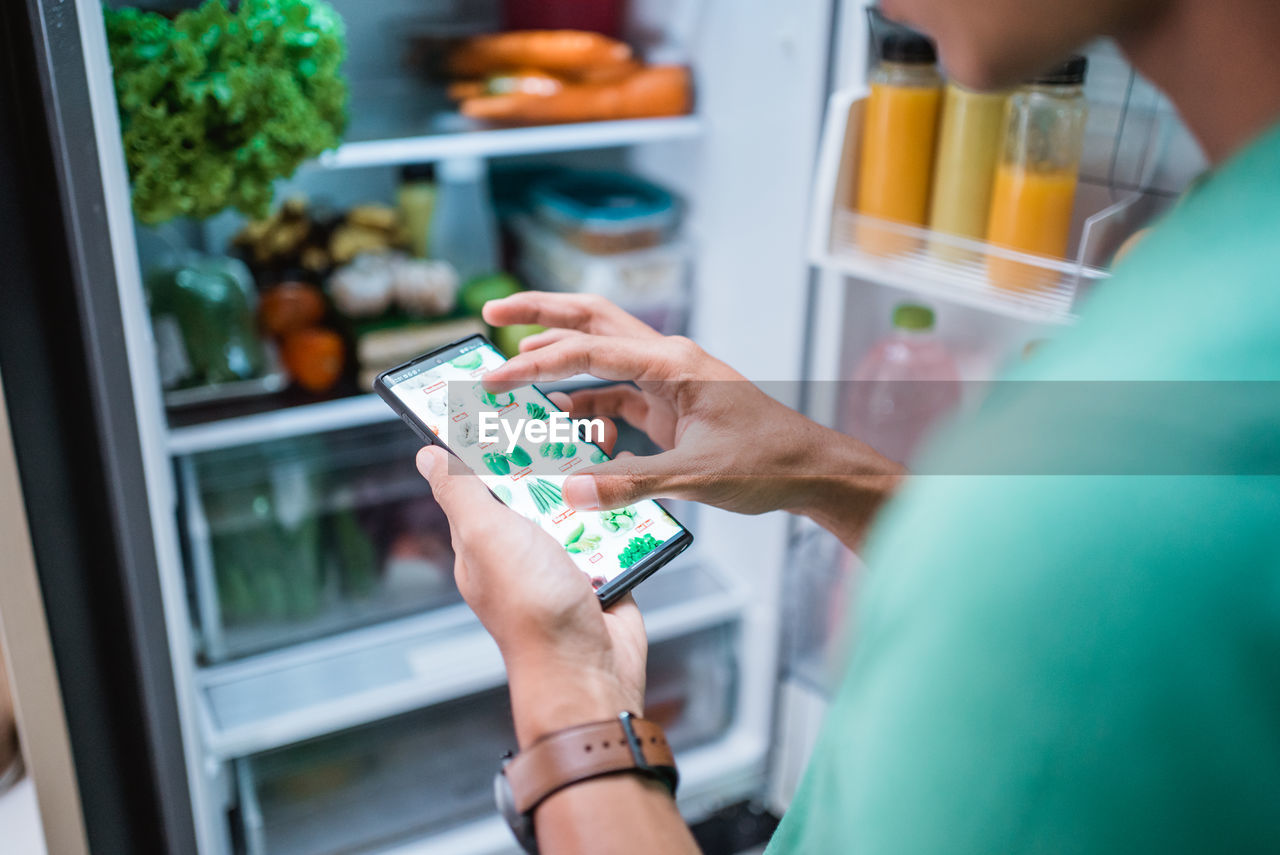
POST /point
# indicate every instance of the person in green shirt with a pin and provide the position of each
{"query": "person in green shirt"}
(1070, 637)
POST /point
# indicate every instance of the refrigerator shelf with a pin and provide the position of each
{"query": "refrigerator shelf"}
(1112, 200)
(327, 685)
(467, 139)
(304, 420)
(283, 423)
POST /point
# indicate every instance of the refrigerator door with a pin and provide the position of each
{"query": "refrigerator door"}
(82, 433)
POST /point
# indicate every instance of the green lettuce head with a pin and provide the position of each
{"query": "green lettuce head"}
(216, 105)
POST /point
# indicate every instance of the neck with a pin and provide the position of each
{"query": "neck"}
(1215, 59)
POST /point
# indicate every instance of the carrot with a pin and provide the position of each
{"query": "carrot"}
(554, 51)
(650, 92)
(607, 73)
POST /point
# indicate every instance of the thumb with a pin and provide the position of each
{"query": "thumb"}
(461, 495)
(623, 481)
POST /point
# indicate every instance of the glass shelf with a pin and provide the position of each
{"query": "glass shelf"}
(466, 139)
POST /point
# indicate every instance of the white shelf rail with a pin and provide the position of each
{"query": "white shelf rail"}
(306, 420)
(507, 142)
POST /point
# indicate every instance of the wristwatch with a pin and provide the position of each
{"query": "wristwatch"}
(623, 744)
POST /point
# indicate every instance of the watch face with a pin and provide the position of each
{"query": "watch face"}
(521, 825)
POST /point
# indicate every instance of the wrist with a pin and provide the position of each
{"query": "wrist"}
(842, 483)
(545, 701)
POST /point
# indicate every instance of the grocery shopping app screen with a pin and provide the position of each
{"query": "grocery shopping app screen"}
(491, 433)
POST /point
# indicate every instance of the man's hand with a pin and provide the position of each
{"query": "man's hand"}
(568, 661)
(726, 442)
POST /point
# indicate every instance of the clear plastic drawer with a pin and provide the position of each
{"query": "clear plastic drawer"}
(297, 538)
(430, 770)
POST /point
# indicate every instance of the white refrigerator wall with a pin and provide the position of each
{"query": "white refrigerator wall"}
(761, 78)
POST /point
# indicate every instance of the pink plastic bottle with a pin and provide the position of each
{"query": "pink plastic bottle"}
(902, 387)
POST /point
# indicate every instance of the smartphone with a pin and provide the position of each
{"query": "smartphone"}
(440, 397)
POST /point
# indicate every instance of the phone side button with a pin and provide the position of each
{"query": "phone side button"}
(416, 428)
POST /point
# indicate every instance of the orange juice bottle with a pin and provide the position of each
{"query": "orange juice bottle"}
(899, 128)
(1035, 183)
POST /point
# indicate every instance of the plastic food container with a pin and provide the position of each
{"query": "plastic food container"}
(604, 213)
(650, 283)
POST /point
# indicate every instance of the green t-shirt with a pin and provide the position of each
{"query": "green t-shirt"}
(1086, 663)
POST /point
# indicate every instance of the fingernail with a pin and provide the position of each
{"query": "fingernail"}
(580, 492)
(488, 377)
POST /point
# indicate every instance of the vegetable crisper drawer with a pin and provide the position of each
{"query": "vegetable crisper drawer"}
(432, 769)
(297, 538)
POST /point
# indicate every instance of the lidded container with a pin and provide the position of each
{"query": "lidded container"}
(1035, 184)
(604, 213)
(899, 128)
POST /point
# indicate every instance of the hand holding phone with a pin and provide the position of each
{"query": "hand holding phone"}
(568, 660)
(522, 446)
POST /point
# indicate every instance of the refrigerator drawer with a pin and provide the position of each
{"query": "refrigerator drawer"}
(430, 770)
(414, 774)
(293, 539)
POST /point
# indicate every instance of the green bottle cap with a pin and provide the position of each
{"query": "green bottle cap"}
(913, 316)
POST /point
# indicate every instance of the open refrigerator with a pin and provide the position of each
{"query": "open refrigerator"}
(346, 700)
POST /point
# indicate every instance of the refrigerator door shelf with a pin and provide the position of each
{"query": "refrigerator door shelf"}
(1028, 287)
(430, 770)
(335, 683)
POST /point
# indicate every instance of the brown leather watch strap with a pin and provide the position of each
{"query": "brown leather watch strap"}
(587, 751)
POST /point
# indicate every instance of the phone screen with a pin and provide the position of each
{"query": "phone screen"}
(493, 435)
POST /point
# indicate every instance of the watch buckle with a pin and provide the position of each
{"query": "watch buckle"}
(633, 742)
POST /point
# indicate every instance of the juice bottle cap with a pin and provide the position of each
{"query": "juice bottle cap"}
(418, 172)
(913, 316)
(907, 47)
(1068, 73)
